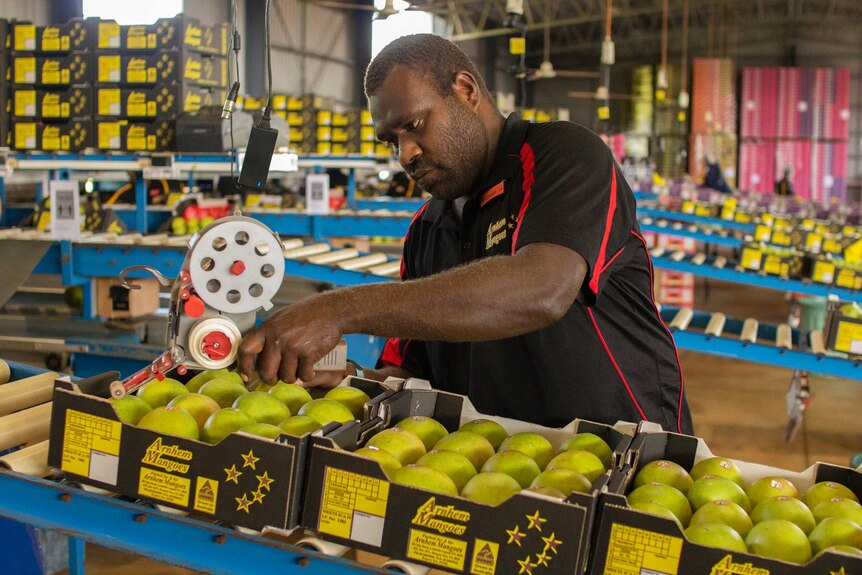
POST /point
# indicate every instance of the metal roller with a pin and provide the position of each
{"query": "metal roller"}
(32, 460)
(815, 340)
(698, 259)
(26, 392)
(389, 269)
(677, 256)
(720, 262)
(28, 426)
(784, 336)
(749, 330)
(292, 243)
(682, 319)
(306, 251)
(363, 262)
(657, 252)
(399, 566)
(321, 546)
(328, 258)
(716, 324)
(5, 372)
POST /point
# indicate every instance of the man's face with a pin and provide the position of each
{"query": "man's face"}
(440, 142)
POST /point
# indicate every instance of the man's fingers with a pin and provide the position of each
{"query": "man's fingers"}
(287, 371)
(269, 362)
(251, 345)
(305, 369)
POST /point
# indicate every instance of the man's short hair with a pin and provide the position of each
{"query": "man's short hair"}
(438, 60)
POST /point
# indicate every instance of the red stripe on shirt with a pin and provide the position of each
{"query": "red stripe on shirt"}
(393, 353)
(528, 162)
(614, 362)
(672, 342)
(609, 221)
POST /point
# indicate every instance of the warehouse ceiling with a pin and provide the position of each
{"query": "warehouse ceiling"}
(716, 27)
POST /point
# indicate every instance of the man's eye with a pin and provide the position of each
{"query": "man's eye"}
(414, 125)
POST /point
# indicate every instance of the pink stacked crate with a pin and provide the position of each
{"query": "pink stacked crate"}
(796, 155)
(714, 96)
(828, 172)
(757, 166)
(759, 94)
(675, 288)
(788, 103)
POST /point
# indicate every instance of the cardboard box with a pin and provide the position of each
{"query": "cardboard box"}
(245, 481)
(149, 103)
(842, 332)
(54, 71)
(72, 136)
(156, 136)
(629, 541)
(74, 102)
(76, 34)
(349, 500)
(113, 301)
(163, 67)
(181, 32)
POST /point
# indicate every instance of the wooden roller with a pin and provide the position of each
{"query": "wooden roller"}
(292, 243)
(682, 319)
(677, 256)
(363, 262)
(784, 336)
(32, 460)
(151, 239)
(749, 330)
(657, 252)
(815, 339)
(720, 262)
(306, 251)
(389, 269)
(26, 392)
(327, 258)
(5, 372)
(27, 426)
(716, 324)
(698, 259)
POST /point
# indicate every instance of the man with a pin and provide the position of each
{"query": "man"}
(784, 186)
(714, 178)
(527, 284)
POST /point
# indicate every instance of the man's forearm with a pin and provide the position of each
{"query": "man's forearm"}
(528, 291)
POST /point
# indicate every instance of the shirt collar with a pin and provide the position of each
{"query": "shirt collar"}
(506, 163)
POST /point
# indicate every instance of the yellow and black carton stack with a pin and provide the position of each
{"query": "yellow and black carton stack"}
(5, 48)
(305, 115)
(51, 77)
(147, 75)
(361, 137)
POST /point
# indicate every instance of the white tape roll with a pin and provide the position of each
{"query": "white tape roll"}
(206, 327)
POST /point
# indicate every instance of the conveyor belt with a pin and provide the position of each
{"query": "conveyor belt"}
(691, 218)
(748, 340)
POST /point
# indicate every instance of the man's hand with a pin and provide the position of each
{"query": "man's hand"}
(287, 345)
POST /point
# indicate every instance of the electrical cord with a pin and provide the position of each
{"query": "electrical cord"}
(267, 109)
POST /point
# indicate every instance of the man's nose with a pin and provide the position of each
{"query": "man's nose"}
(408, 151)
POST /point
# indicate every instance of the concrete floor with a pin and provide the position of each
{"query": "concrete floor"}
(738, 408)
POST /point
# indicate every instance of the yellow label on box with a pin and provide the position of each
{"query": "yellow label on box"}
(832, 246)
(742, 217)
(774, 265)
(25, 37)
(324, 117)
(446, 552)
(780, 237)
(324, 133)
(849, 338)
(688, 207)
(751, 258)
(366, 148)
(346, 494)
(109, 35)
(807, 224)
(824, 272)
(136, 40)
(762, 233)
(366, 134)
(109, 135)
(136, 138)
(109, 102)
(137, 107)
(703, 210)
(51, 138)
(849, 231)
(91, 446)
(25, 136)
(25, 103)
(52, 41)
(365, 118)
(485, 554)
(813, 242)
(206, 495)
(767, 219)
(633, 551)
(853, 252)
(25, 70)
(848, 279)
(109, 67)
(164, 487)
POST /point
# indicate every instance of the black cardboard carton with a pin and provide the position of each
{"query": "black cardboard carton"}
(244, 480)
(630, 541)
(76, 34)
(113, 134)
(163, 67)
(74, 135)
(74, 102)
(162, 102)
(52, 71)
(181, 32)
(349, 500)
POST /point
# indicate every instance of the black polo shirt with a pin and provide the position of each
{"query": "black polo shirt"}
(610, 357)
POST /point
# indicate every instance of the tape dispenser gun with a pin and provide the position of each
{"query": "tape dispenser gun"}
(233, 267)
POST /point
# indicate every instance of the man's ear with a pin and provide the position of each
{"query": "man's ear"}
(466, 87)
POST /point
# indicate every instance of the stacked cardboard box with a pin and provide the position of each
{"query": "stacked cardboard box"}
(51, 78)
(5, 49)
(146, 75)
(796, 118)
(713, 118)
